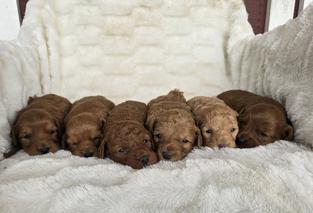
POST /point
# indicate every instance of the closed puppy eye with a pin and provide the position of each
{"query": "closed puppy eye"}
(97, 139)
(232, 129)
(157, 137)
(146, 141)
(51, 132)
(72, 144)
(122, 150)
(263, 134)
(185, 141)
(26, 136)
(209, 131)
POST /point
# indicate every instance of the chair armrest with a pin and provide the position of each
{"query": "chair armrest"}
(279, 64)
(19, 79)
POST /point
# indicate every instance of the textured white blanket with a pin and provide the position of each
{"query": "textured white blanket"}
(274, 178)
(139, 49)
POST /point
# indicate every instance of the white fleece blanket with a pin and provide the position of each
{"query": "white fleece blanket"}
(138, 49)
(274, 178)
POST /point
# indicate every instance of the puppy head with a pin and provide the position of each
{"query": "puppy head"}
(218, 125)
(36, 132)
(175, 135)
(131, 144)
(84, 134)
(261, 124)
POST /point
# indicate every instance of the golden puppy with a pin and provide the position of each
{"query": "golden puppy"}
(217, 121)
(127, 141)
(38, 127)
(85, 125)
(171, 121)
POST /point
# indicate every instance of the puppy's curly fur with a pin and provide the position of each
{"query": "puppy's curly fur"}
(85, 125)
(262, 120)
(171, 121)
(217, 121)
(38, 127)
(127, 141)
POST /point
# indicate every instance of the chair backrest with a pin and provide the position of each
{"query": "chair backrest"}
(135, 49)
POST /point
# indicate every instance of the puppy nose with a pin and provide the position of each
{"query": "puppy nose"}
(44, 150)
(240, 141)
(222, 145)
(88, 154)
(166, 155)
(144, 160)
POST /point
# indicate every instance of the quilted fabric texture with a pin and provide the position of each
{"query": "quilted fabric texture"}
(137, 49)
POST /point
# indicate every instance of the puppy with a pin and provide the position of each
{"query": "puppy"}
(38, 127)
(171, 121)
(85, 125)
(217, 122)
(261, 120)
(127, 141)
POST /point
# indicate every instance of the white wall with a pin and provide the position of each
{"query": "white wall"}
(278, 13)
(306, 3)
(9, 20)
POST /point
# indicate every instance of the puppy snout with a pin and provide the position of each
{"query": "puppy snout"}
(44, 149)
(240, 141)
(223, 145)
(166, 155)
(144, 160)
(88, 154)
(245, 142)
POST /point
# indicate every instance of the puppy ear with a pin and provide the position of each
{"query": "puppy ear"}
(288, 133)
(63, 142)
(153, 145)
(242, 111)
(103, 124)
(11, 152)
(102, 149)
(199, 122)
(14, 136)
(60, 130)
(15, 143)
(150, 123)
(199, 137)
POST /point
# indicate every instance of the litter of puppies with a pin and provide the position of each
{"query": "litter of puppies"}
(138, 135)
